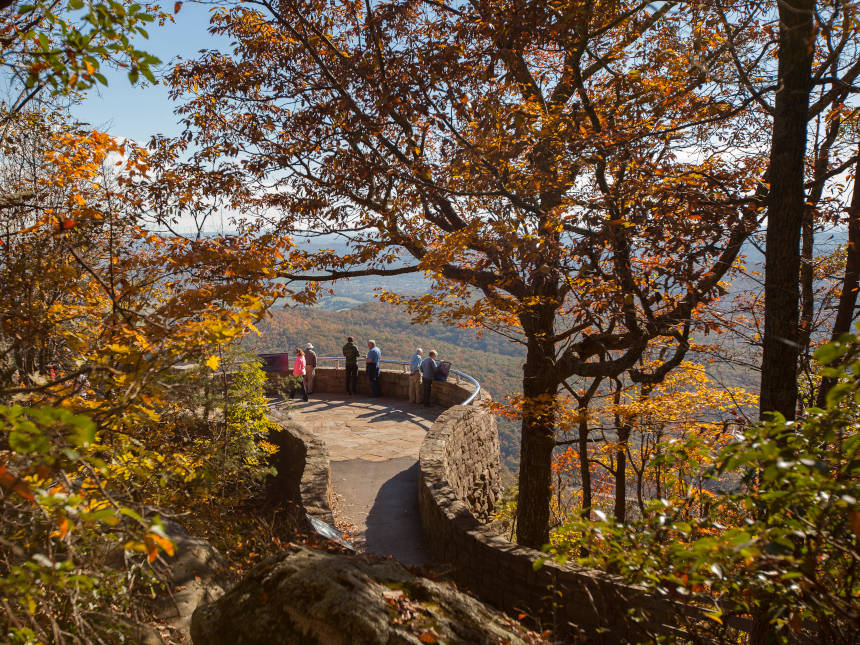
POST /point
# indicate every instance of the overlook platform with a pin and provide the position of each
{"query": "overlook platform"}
(373, 445)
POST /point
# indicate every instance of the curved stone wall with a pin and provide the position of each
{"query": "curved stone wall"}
(393, 383)
(302, 464)
(459, 485)
(460, 450)
(302, 460)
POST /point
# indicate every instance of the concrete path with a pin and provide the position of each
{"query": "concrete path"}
(373, 444)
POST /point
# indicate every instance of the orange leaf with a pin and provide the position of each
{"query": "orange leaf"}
(14, 484)
(62, 527)
(165, 544)
(151, 548)
(427, 637)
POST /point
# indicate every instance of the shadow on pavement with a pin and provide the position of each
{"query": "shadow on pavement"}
(394, 524)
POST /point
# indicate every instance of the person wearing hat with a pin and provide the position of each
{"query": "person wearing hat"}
(310, 368)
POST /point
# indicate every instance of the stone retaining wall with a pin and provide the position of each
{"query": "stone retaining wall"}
(458, 487)
(461, 450)
(302, 462)
(466, 440)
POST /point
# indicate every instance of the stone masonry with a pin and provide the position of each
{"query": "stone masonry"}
(458, 487)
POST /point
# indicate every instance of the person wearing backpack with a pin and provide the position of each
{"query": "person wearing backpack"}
(428, 372)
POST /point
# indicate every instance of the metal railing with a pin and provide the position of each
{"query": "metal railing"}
(340, 363)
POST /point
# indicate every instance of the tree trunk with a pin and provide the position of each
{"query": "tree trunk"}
(785, 208)
(850, 281)
(807, 288)
(621, 474)
(584, 469)
(540, 393)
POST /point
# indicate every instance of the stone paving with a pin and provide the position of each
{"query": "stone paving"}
(373, 444)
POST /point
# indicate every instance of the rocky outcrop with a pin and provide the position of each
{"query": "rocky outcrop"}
(306, 597)
(198, 575)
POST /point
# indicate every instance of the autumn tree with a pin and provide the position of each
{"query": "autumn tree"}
(96, 313)
(61, 47)
(807, 95)
(557, 169)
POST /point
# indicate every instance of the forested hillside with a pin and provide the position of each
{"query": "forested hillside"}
(494, 361)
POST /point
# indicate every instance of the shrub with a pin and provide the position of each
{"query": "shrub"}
(780, 546)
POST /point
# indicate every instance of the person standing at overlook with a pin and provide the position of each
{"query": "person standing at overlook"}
(299, 374)
(415, 377)
(372, 364)
(310, 368)
(428, 371)
(351, 354)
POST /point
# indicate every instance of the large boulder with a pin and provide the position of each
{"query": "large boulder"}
(316, 597)
(198, 574)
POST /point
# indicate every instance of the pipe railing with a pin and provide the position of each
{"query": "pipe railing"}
(404, 365)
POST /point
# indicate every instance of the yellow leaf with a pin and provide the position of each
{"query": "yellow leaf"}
(212, 362)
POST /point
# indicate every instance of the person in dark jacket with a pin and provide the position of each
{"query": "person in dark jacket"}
(351, 354)
(428, 371)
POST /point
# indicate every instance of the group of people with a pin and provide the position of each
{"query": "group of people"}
(371, 366)
(422, 371)
(304, 367)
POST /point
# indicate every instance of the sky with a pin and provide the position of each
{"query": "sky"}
(137, 112)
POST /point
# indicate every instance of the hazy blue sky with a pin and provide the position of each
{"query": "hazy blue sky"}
(137, 112)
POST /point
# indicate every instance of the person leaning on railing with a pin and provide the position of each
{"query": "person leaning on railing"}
(351, 354)
(374, 356)
(415, 377)
(428, 371)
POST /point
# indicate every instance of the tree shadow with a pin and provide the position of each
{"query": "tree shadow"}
(394, 523)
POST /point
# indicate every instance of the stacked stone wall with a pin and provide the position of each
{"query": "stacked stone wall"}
(459, 486)
(470, 457)
(393, 383)
(461, 451)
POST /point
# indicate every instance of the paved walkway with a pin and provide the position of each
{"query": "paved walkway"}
(373, 444)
